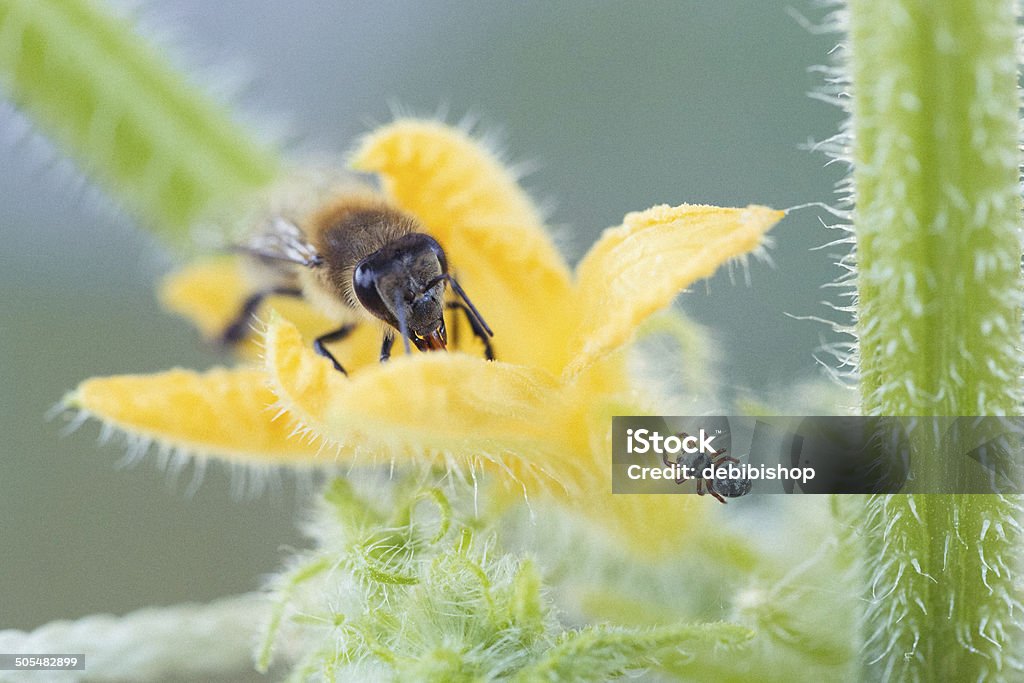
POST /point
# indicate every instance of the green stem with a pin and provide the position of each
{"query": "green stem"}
(131, 121)
(935, 126)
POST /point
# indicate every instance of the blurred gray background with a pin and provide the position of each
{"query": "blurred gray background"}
(623, 105)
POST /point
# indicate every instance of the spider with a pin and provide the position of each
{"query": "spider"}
(718, 486)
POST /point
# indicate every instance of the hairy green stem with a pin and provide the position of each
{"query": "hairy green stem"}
(132, 122)
(936, 169)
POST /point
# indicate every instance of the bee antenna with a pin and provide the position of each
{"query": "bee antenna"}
(402, 326)
(462, 294)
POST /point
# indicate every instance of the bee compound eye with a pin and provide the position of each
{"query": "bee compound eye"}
(433, 245)
(364, 282)
(362, 276)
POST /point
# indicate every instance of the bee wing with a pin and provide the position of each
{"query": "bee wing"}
(282, 241)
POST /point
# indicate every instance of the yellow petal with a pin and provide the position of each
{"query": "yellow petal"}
(210, 292)
(223, 413)
(652, 525)
(495, 240)
(638, 268)
(440, 408)
(302, 381)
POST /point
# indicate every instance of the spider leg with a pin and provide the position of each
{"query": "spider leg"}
(709, 484)
(336, 335)
(716, 463)
(680, 478)
(716, 494)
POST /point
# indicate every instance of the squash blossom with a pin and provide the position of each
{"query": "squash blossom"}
(537, 419)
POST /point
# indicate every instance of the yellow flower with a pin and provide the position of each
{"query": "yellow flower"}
(539, 416)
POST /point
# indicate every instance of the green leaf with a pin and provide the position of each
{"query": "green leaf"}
(134, 124)
(599, 652)
(938, 214)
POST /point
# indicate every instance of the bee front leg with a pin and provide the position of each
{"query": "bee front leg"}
(478, 331)
(336, 335)
(239, 327)
(385, 347)
(454, 328)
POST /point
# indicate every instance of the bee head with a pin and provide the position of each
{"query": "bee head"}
(403, 284)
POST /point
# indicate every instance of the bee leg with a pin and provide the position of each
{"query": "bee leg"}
(336, 335)
(385, 347)
(478, 331)
(454, 326)
(239, 328)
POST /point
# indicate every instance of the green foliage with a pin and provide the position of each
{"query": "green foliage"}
(936, 170)
(790, 588)
(938, 209)
(419, 594)
(404, 583)
(133, 123)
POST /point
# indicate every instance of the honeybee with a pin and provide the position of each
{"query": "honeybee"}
(361, 255)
